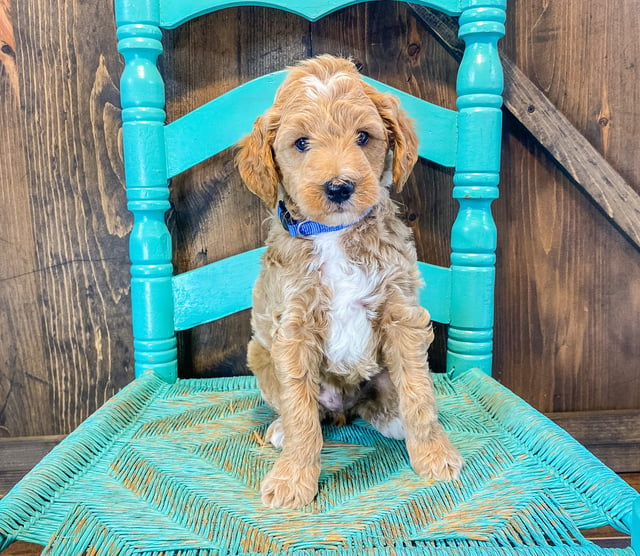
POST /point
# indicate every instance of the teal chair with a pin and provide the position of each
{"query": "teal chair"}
(171, 466)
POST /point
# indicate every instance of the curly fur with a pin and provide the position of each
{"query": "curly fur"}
(337, 327)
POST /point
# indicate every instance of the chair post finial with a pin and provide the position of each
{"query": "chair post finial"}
(143, 117)
(473, 236)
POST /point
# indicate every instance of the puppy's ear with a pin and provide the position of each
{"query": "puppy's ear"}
(401, 135)
(255, 161)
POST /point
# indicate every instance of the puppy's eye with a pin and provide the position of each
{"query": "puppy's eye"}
(362, 138)
(302, 144)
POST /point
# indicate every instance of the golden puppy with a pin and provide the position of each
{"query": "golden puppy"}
(337, 327)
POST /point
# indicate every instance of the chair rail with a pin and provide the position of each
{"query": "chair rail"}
(221, 122)
(173, 14)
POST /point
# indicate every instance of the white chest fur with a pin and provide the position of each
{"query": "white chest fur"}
(351, 289)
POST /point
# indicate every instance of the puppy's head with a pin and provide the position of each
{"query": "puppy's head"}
(326, 139)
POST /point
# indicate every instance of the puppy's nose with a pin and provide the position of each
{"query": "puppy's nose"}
(338, 191)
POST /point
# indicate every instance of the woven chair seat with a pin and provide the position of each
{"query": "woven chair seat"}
(186, 460)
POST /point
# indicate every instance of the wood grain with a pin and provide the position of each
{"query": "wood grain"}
(24, 382)
(565, 276)
(575, 154)
(567, 297)
(8, 50)
(65, 325)
(569, 148)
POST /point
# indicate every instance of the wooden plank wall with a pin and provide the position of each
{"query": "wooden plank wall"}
(568, 289)
(64, 324)
(570, 284)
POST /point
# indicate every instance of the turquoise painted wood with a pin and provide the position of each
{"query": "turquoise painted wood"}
(174, 13)
(635, 527)
(218, 124)
(215, 290)
(473, 236)
(221, 122)
(436, 293)
(224, 287)
(143, 116)
(468, 139)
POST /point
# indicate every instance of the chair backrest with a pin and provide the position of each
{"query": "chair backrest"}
(467, 140)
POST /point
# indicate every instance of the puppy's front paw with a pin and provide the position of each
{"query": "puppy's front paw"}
(438, 459)
(290, 486)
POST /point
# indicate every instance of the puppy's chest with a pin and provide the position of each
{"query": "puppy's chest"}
(350, 307)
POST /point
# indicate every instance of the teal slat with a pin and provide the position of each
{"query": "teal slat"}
(220, 123)
(215, 290)
(174, 13)
(436, 294)
(437, 127)
(224, 287)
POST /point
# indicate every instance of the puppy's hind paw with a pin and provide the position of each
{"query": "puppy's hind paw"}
(439, 459)
(275, 434)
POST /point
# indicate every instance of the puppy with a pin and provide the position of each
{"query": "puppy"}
(337, 327)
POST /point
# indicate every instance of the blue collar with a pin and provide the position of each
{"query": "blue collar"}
(308, 227)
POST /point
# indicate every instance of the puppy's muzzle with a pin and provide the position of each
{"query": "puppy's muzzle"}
(338, 191)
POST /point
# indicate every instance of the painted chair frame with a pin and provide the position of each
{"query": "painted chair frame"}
(469, 140)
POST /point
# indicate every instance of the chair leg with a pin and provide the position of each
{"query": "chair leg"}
(635, 527)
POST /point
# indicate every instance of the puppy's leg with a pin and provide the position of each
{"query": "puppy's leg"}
(261, 364)
(407, 335)
(293, 480)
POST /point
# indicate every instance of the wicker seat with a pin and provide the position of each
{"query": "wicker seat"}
(173, 466)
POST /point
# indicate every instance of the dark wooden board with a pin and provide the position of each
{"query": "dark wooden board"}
(64, 289)
(24, 381)
(19, 455)
(568, 147)
(568, 296)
